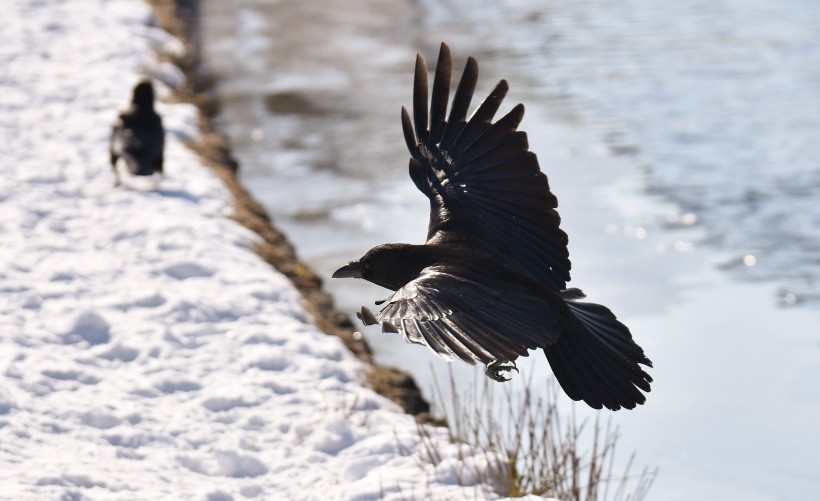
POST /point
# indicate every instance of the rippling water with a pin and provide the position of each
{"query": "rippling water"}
(680, 139)
(718, 101)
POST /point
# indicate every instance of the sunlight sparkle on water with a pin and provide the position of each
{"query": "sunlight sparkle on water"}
(682, 246)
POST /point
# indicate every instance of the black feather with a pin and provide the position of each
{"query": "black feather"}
(490, 282)
(137, 136)
(441, 93)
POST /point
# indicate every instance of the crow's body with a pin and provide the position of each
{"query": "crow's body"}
(138, 136)
(490, 282)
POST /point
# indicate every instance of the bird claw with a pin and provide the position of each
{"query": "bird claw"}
(367, 317)
(496, 367)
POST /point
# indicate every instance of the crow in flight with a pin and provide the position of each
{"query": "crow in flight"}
(490, 282)
(137, 136)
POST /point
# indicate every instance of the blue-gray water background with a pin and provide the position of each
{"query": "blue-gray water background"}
(681, 139)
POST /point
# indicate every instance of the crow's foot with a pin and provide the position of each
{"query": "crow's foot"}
(496, 367)
(368, 318)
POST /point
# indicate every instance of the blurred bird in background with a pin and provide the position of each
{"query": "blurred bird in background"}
(138, 136)
(490, 282)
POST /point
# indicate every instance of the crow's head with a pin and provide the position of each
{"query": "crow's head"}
(144, 94)
(389, 265)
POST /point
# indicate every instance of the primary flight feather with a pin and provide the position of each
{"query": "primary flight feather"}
(489, 284)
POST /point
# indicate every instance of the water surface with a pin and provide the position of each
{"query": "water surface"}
(678, 139)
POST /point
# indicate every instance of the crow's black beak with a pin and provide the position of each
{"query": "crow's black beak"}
(352, 269)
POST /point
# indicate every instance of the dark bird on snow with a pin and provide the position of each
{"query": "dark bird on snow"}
(138, 136)
(490, 282)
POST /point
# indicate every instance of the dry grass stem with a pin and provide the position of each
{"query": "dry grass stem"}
(530, 447)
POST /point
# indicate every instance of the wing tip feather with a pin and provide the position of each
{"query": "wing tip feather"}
(420, 96)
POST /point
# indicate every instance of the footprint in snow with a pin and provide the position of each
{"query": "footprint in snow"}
(222, 404)
(218, 496)
(177, 385)
(276, 364)
(151, 301)
(70, 374)
(6, 402)
(225, 464)
(99, 420)
(120, 352)
(182, 271)
(88, 327)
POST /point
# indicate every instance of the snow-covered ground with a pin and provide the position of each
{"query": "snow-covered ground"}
(145, 351)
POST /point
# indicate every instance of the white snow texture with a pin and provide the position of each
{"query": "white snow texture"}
(145, 351)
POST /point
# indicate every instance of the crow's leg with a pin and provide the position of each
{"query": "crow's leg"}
(496, 367)
(116, 172)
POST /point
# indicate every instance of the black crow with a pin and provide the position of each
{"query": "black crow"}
(137, 136)
(490, 283)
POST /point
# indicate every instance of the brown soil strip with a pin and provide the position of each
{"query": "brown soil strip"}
(180, 18)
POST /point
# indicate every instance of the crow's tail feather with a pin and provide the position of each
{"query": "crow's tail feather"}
(596, 360)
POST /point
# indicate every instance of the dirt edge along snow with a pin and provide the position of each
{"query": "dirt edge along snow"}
(180, 19)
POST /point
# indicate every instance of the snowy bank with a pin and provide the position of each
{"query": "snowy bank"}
(145, 351)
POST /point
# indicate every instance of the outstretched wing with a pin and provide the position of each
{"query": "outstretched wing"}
(485, 186)
(449, 309)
